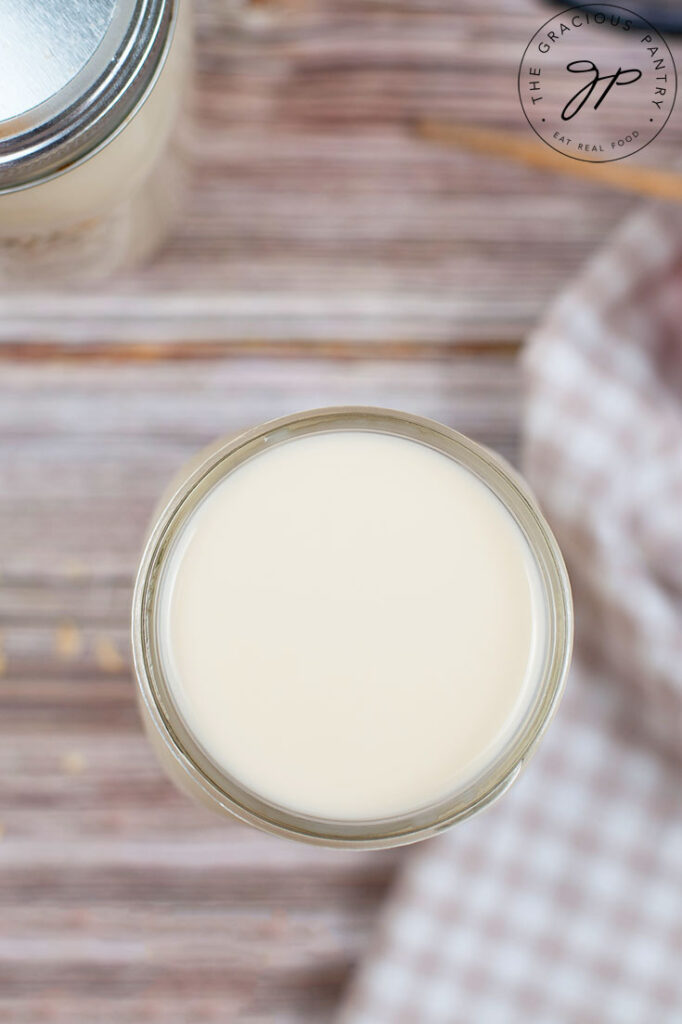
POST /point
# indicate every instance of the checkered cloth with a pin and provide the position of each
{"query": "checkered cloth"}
(562, 904)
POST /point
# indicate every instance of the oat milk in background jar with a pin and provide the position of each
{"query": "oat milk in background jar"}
(90, 96)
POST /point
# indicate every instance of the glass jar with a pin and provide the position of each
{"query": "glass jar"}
(181, 755)
(89, 159)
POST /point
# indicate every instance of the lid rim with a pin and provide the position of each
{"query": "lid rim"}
(86, 113)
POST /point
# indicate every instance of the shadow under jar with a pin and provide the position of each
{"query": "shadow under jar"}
(90, 167)
(351, 627)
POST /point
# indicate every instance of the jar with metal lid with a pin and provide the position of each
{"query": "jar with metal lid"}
(257, 611)
(90, 95)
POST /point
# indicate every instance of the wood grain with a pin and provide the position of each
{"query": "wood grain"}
(120, 901)
(325, 255)
(646, 182)
(315, 214)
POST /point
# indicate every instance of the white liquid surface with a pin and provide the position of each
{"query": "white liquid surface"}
(353, 625)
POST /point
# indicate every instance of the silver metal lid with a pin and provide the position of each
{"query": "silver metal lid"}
(71, 72)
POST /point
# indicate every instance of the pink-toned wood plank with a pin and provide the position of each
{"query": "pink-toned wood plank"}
(325, 256)
(119, 900)
(314, 212)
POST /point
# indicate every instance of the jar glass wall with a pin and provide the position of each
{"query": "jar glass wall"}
(91, 178)
(182, 756)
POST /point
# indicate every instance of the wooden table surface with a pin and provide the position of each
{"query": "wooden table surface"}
(325, 256)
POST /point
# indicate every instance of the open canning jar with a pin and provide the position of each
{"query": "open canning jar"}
(334, 468)
(90, 96)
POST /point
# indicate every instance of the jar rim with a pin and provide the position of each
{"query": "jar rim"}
(226, 792)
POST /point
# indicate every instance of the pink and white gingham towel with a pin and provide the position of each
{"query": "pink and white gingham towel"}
(562, 904)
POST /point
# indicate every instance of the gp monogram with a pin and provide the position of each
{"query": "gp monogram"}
(597, 83)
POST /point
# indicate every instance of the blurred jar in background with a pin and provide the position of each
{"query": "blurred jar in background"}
(90, 167)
